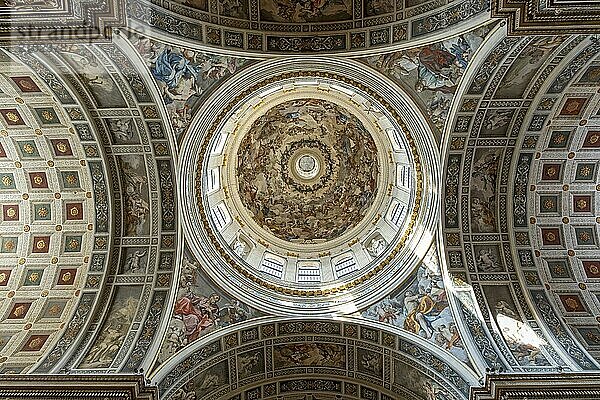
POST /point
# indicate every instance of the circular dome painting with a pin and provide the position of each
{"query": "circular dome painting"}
(307, 170)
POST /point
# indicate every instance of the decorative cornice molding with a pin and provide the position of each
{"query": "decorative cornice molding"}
(76, 387)
(542, 17)
(579, 386)
(62, 20)
(250, 35)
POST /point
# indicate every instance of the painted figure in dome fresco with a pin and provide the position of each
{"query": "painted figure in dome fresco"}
(201, 314)
(376, 247)
(135, 185)
(132, 262)
(486, 170)
(422, 308)
(434, 392)
(434, 70)
(309, 354)
(305, 10)
(198, 313)
(186, 392)
(113, 334)
(436, 64)
(524, 343)
(487, 261)
(184, 76)
(483, 190)
(122, 129)
(200, 308)
(298, 212)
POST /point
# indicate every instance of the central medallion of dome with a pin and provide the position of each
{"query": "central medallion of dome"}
(307, 170)
(307, 166)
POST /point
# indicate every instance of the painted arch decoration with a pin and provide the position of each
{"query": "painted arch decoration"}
(351, 357)
(276, 27)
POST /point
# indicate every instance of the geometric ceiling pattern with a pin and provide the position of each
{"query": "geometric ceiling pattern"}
(129, 164)
(132, 146)
(409, 205)
(47, 217)
(516, 232)
(563, 203)
(35, 21)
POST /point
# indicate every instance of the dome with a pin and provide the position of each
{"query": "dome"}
(279, 196)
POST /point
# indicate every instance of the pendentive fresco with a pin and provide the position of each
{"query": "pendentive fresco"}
(184, 76)
(421, 307)
(433, 71)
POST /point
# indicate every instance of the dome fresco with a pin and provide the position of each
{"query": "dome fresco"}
(268, 199)
(295, 170)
